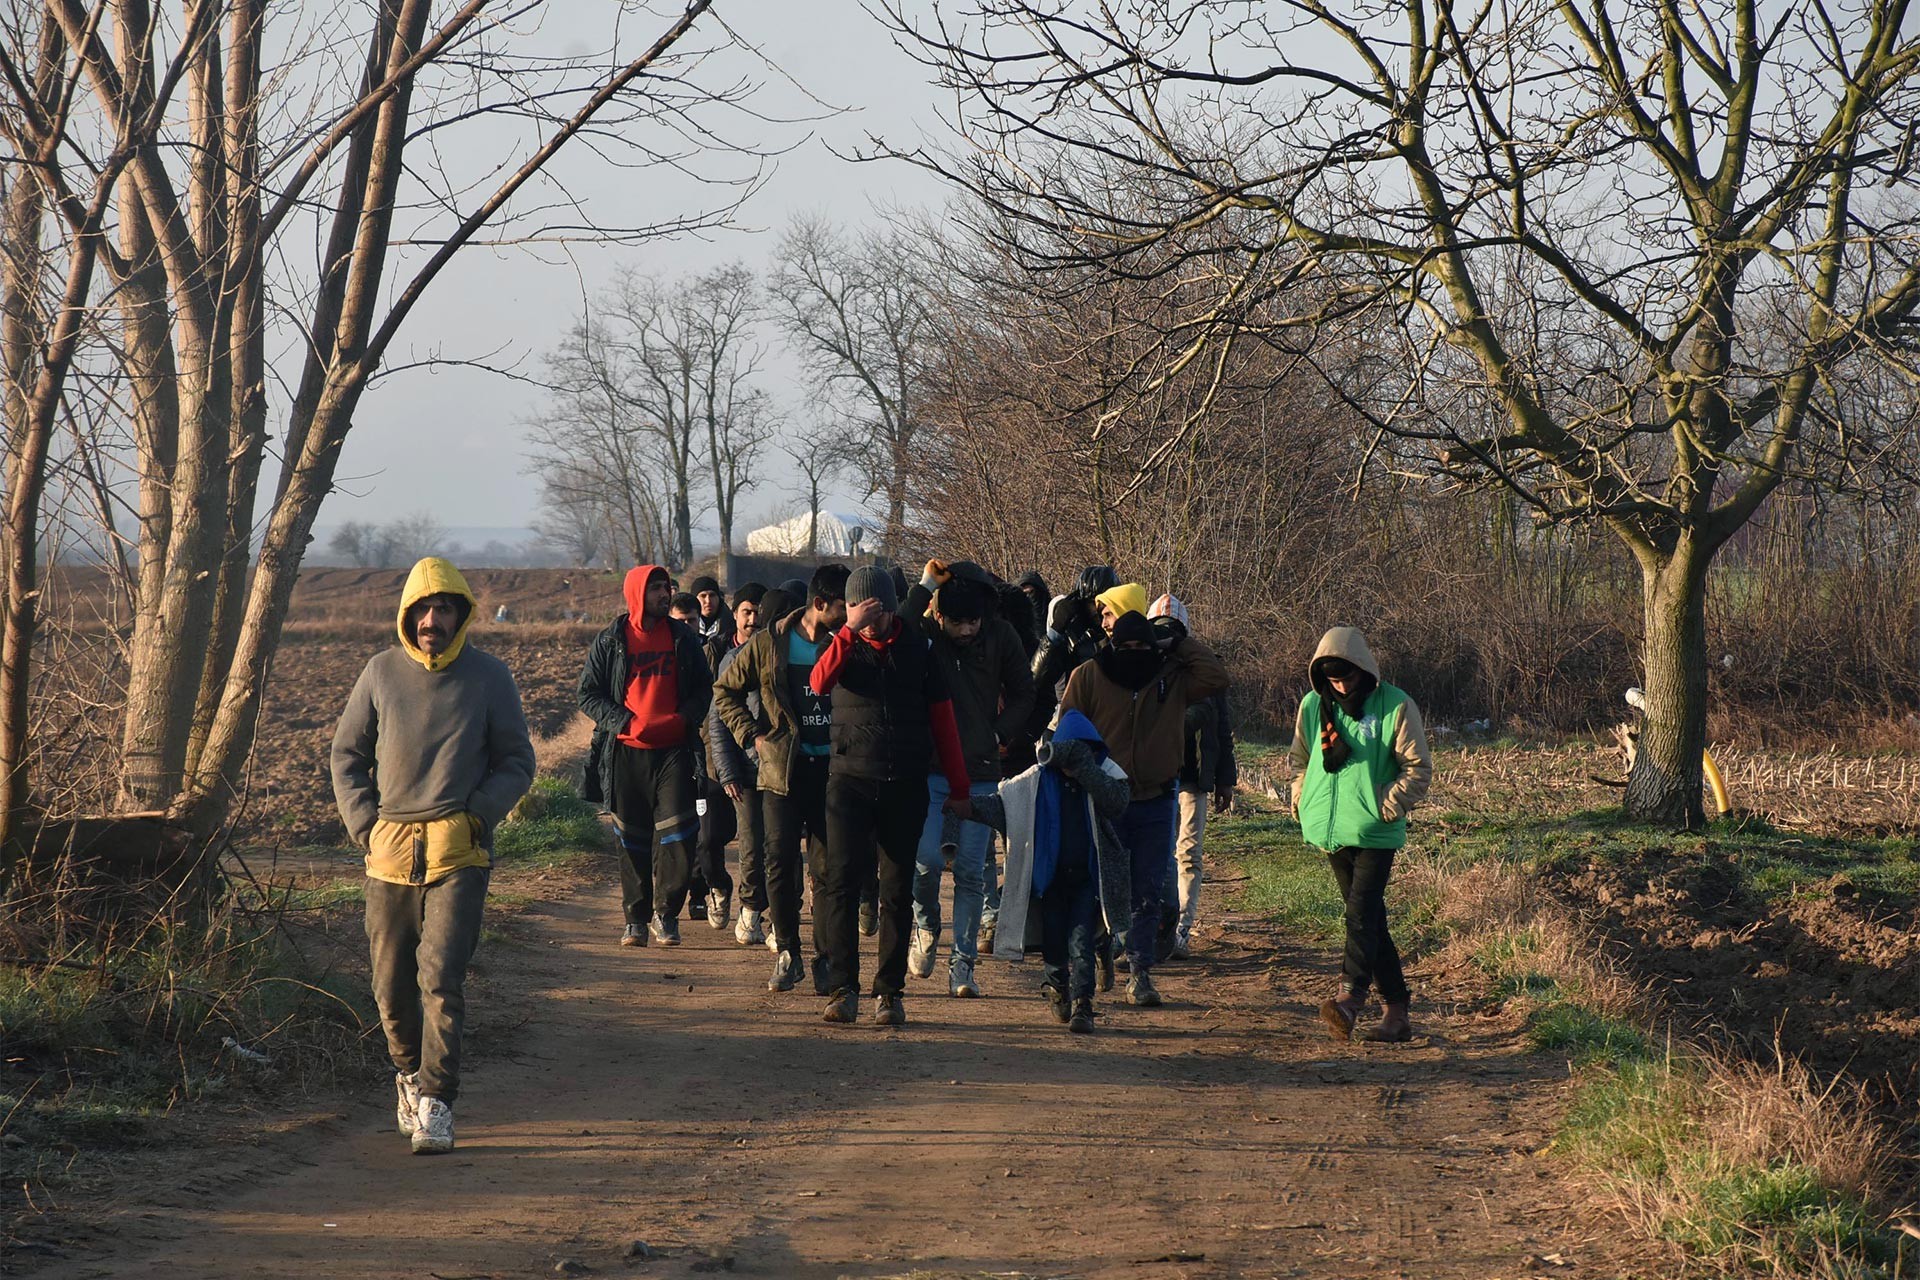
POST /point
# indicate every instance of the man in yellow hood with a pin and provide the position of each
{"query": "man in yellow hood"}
(430, 754)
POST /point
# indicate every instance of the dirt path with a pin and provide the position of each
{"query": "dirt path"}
(664, 1096)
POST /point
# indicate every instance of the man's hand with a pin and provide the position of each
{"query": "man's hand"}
(1223, 800)
(863, 613)
(960, 807)
(1067, 614)
(736, 792)
(937, 573)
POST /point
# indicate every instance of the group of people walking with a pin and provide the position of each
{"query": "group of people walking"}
(862, 737)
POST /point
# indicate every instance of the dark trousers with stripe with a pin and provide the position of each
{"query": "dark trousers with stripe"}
(653, 805)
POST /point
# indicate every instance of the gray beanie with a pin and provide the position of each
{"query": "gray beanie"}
(870, 583)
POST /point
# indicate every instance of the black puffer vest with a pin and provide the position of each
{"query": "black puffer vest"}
(880, 725)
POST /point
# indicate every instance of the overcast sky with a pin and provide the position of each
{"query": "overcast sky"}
(448, 441)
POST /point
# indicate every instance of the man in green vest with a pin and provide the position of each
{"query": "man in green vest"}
(1360, 765)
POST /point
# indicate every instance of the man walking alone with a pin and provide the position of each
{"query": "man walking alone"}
(430, 754)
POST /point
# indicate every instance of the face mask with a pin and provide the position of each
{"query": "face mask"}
(1131, 668)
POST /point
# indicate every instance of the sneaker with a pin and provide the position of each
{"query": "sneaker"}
(1182, 943)
(1140, 991)
(820, 987)
(869, 919)
(719, 906)
(842, 1006)
(1056, 1001)
(1082, 1021)
(920, 953)
(697, 907)
(664, 931)
(635, 936)
(889, 1011)
(1106, 968)
(747, 930)
(786, 972)
(406, 1087)
(986, 939)
(432, 1128)
(960, 981)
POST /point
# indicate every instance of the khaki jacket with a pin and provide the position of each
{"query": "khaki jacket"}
(1146, 732)
(760, 667)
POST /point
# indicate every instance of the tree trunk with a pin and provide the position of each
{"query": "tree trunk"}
(1665, 784)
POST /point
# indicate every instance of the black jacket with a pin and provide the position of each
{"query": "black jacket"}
(1210, 766)
(603, 696)
(881, 727)
(991, 686)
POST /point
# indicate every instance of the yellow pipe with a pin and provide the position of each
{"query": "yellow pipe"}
(1717, 783)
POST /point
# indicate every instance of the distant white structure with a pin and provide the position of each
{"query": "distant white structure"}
(839, 535)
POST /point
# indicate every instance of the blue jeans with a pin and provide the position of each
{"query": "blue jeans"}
(969, 871)
(1146, 828)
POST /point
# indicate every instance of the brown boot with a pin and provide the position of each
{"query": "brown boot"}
(1339, 1015)
(1393, 1027)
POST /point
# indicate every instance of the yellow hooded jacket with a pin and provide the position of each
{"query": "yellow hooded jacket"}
(434, 576)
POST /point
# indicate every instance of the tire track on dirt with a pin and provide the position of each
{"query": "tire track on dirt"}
(663, 1095)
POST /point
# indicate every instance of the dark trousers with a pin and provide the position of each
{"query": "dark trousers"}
(1371, 959)
(1146, 828)
(717, 830)
(653, 804)
(873, 831)
(420, 938)
(1069, 921)
(783, 817)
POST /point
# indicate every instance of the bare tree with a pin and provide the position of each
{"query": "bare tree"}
(858, 311)
(181, 161)
(1628, 256)
(817, 457)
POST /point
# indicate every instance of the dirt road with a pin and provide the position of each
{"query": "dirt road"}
(664, 1096)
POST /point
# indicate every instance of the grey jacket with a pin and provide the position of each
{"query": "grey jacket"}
(415, 744)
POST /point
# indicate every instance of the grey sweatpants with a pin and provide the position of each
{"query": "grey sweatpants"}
(421, 938)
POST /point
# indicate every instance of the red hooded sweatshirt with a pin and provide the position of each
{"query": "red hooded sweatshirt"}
(653, 685)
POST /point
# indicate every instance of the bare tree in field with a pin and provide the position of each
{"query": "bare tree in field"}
(859, 311)
(658, 386)
(598, 457)
(817, 457)
(191, 182)
(1621, 257)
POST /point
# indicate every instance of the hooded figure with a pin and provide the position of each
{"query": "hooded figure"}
(429, 756)
(1067, 867)
(1072, 628)
(1360, 765)
(646, 687)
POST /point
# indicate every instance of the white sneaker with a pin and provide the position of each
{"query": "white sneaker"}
(718, 906)
(406, 1087)
(1182, 943)
(920, 954)
(747, 930)
(773, 944)
(433, 1128)
(960, 981)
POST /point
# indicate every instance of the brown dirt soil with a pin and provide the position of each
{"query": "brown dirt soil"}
(664, 1096)
(1829, 975)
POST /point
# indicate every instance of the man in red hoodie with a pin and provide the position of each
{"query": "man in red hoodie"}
(646, 688)
(892, 714)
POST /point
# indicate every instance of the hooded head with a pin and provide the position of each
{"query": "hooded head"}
(644, 580)
(1094, 579)
(1342, 645)
(1169, 606)
(1075, 727)
(432, 581)
(1116, 602)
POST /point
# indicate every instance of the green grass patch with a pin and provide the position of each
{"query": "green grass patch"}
(1562, 1026)
(552, 827)
(1287, 879)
